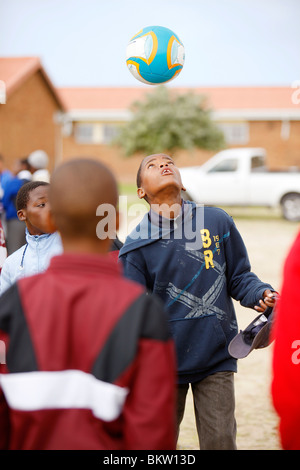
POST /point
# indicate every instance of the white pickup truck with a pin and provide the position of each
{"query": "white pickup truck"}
(239, 177)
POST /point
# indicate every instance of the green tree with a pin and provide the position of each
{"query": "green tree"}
(167, 121)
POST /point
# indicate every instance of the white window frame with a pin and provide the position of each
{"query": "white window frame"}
(235, 133)
(81, 135)
(100, 133)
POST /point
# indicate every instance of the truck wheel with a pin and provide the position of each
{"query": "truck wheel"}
(290, 206)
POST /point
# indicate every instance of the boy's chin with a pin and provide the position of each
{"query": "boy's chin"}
(172, 186)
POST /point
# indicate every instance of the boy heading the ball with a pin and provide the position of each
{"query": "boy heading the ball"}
(196, 282)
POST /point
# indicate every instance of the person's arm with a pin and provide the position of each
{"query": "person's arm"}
(149, 412)
(286, 352)
(4, 421)
(4, 409)
(5, 278)
(243, 284)
(5, 311)
(269, 299)
(133, 269)
(3, 250)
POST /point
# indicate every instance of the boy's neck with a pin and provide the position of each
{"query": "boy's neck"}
(168, 205)
(86, 245)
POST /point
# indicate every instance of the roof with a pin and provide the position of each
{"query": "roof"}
(218, 97)
(225, 102)
(14, 71)
(113, 103)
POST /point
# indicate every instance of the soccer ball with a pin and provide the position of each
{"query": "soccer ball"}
(155, 55)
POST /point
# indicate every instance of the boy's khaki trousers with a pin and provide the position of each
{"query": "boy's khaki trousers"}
(214, 405)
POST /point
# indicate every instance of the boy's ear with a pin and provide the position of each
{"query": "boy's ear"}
(21, 214)
(141, 193)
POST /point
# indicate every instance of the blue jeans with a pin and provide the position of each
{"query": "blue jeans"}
(214, 405)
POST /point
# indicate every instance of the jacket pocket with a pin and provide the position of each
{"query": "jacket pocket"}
(200, 343)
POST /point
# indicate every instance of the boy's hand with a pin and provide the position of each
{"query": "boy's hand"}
(269, 300)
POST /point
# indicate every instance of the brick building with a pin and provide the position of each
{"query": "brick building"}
(73, 122)
(248, 116)
(28, 111)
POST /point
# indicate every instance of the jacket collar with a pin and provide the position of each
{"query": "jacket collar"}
(30, 239)
(154, 227)
(85, 262)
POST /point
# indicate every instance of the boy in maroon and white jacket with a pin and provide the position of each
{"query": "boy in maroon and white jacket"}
(89, 359)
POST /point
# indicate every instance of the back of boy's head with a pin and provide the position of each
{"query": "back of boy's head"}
(77, 188)
(24, 193)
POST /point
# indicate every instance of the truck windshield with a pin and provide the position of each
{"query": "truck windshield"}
(226, 165)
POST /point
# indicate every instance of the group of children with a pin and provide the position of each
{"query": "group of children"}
(104, 352)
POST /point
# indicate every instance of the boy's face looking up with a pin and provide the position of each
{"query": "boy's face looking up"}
(36, 213)
(158, 173)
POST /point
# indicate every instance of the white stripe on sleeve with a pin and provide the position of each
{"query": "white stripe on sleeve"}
(30, 391)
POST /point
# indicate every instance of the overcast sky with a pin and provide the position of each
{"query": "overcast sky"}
(227, 42)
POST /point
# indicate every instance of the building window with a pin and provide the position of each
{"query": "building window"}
(285, 130)
(84, 133)
(235, 133)
(110, 132)
(95, 133)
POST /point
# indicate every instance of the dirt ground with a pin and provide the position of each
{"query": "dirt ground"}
(268, 241)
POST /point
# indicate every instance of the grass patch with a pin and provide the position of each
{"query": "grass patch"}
(127, 189)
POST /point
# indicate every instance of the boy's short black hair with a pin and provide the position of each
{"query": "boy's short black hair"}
(23, 193)
(139, 176)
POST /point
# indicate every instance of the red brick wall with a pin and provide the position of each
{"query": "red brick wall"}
(26, 121)
(281, 153)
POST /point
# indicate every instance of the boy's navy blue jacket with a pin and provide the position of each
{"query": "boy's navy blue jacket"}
(196, 279)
